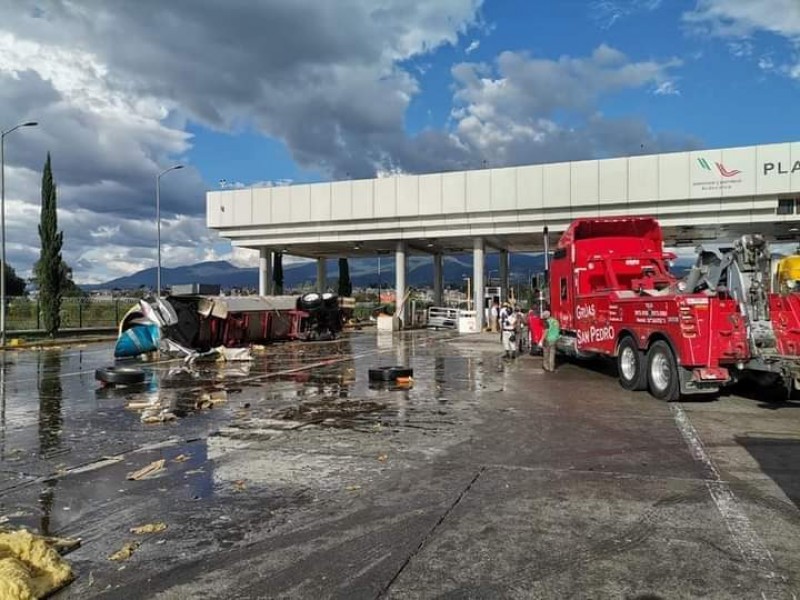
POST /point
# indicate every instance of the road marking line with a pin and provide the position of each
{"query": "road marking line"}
(748, 542)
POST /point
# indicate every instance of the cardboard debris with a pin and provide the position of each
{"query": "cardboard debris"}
(29, 567)
(149, 528)
(62, 545)
(211, 399)
(139, 405)
(160, 416)
(144, 472)
(125, 552)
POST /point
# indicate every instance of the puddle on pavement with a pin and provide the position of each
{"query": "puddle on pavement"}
(62, 419)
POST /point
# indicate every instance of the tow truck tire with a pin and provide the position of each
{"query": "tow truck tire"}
(662, 372)
(631, 365)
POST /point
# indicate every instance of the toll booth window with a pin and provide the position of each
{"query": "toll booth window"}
(563, 285)
(786, 206)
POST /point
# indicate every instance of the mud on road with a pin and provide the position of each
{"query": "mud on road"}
(293, 476)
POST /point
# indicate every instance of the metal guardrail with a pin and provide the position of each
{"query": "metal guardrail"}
(441, 317)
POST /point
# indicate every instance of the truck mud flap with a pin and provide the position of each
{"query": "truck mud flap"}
(690, 386)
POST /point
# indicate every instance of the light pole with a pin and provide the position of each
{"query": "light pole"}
(3, 135)
(158, 223)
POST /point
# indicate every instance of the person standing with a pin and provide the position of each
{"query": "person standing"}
(502, 316)
(509, 334)
(552, 330)
(535, 329)
(495, 316)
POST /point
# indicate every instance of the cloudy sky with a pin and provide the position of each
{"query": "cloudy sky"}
(268, 91)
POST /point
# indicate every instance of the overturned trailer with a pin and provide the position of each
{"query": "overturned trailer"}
(195, 324)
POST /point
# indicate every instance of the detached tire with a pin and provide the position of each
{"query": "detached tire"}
(389, 373)
(631, 366)
(662, 372)
(119, 375)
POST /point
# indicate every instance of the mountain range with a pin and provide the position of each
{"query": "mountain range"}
(363, 273)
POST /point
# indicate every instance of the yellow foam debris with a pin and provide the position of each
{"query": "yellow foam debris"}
(29, 568)
(125, 552)
(149, 528)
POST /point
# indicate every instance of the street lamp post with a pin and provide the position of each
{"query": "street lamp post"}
(158, 223)
(3, 135)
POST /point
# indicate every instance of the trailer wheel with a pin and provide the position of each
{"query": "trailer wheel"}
(662, 372)
(631, 366)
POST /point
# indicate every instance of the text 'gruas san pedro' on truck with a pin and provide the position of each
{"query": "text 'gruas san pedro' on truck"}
(735, 313)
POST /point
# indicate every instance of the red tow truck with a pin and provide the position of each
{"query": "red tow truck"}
(612, 292)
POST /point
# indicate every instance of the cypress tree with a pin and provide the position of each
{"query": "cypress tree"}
(345, 285)
(50, 269)
(277, 273)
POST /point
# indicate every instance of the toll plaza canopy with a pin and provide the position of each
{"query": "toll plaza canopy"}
(698, 195)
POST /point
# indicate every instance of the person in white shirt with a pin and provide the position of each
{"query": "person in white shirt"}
(509, 330)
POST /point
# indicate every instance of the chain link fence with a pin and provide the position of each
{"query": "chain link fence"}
(24, 314)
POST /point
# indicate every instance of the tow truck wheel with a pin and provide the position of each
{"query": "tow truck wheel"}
(631, 366)
(662, 372)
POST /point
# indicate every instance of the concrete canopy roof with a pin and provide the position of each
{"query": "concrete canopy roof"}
(696, 196)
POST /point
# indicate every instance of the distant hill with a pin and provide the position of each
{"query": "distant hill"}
(363, 272)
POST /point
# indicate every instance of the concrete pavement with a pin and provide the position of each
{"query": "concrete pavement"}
(487, 479)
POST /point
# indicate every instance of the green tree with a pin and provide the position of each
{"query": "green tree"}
(345, 285)
(50, 270)
(15, 286)
(277, 273)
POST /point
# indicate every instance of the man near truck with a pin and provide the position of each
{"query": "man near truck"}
(548, 341)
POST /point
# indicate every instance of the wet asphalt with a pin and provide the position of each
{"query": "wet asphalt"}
(484, 479)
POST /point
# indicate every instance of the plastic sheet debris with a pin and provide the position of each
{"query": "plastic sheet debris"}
(145, 472)
(149, 528)
(125, 552)
(233, 354)
(30, 567)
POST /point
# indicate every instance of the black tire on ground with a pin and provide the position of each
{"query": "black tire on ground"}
(310, 301)
(119, 375)
(631, 365)
(389, 373)
(662, 372)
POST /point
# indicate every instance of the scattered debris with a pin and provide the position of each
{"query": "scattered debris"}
(383, 458)
(30, 567)
(159, 415)
(181, 458)
(62, 545)
(352, 488)
(211, 399)
(233, 354)
(144, 472)
(125, 552)
(240, 485)
(149, 528)
(327, 412)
